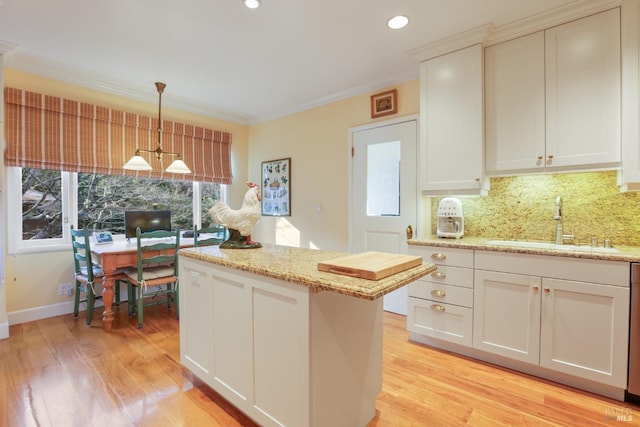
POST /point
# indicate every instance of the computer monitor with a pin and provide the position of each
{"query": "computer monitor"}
(147, 221)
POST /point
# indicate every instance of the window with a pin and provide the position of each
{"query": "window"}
(52, 200)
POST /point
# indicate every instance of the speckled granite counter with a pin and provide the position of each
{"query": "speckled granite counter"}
(300, 266)
(624, 253)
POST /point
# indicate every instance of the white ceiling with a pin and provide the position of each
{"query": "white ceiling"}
(221, 59)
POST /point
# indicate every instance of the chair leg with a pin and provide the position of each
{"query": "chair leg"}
(140, 306)
(175, 293)
(131, 299)
(116, 291)
(76, 300)
(91, 298)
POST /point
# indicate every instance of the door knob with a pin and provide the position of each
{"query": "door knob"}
(409, 232)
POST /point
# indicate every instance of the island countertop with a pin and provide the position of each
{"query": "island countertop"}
(300, 266)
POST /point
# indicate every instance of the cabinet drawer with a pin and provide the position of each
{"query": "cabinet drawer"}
(440, 293)
(444, 256)
(446, 275)
(443, 321)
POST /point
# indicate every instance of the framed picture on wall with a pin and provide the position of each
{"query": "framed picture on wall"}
(276, 187)
(384, 103)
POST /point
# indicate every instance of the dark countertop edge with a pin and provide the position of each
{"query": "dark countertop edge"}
(625, 254)
(319, 280)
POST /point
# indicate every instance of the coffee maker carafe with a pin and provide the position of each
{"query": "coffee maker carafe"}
(450, 218)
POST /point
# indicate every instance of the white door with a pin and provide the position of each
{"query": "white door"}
(383, 193)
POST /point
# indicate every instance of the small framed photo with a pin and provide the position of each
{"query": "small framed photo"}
(276, 187)
(384, 103)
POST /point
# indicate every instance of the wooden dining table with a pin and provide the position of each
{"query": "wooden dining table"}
(113, 258)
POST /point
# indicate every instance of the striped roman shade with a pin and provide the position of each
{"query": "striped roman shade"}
(48, 132)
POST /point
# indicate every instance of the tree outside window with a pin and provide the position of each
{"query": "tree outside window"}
(103, 199)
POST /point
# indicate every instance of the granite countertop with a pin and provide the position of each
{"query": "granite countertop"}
(300, 266)
(623, 253)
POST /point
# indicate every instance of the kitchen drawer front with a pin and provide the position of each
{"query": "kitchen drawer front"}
(443, 321)
(447, 275)
(440, 293)
(444, 256)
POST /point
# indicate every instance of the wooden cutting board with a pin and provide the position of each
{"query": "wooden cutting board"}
(370, 265)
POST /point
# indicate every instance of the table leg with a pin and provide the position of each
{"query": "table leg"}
(107, 299)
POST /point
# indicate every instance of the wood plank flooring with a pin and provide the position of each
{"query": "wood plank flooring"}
(59, 372)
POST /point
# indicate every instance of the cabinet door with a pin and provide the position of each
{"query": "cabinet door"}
(583, 91)
(196, 320)
(451, 108)
(515, 110)
(506, 316)
(584, 330)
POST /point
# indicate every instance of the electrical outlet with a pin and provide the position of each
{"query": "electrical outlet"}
(65, 289)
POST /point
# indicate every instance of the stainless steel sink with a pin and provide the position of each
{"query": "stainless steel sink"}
(545, 245)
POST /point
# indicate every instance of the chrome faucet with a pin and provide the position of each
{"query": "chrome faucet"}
(557, 215)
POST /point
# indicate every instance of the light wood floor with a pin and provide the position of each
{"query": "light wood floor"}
(59, 372)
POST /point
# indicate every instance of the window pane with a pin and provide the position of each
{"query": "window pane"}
(103, 199)
(209, 194)
(41, 204)
(383, 179)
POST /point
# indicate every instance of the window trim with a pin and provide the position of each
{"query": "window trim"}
(15, 244)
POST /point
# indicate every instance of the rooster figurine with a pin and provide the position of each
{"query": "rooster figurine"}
(239, 222)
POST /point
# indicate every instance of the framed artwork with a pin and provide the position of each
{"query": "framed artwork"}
(384, 103)
(276, 187)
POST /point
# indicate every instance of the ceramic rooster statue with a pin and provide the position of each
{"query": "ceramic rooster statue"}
(239, 222)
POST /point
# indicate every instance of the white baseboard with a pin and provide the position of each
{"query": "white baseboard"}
(46, 311)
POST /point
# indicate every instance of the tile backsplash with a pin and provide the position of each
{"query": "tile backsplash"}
(521, 208)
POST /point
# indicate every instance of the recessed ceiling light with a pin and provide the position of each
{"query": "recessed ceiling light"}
(397, 22)
(252, 4)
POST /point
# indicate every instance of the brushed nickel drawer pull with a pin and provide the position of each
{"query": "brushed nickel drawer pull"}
(439, 256)
(437, 307)
(438, 293)
(438, 275)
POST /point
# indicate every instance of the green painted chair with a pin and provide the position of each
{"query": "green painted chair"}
(155, 278)
(87, 275)
(209, 236)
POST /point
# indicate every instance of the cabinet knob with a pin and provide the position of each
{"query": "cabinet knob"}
(547, 290)
(439, 256)
(437, 307)
(438, 293)
(438, 275)
(535, 289)
(539, 157)
(550, 159)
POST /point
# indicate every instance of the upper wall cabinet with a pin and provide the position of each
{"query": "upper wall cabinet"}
(451, 112)
(553, 98)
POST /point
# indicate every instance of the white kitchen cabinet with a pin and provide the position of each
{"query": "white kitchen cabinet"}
(574, 327)
(553, 98)
(441, 303)
(279, 351)
(515, 104)
(507, 314)
(451, 111)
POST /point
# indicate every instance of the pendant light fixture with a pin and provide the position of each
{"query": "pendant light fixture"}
(138, 163)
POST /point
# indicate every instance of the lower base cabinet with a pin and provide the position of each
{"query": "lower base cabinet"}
(572, 327)
(279, 352)
(561, 318)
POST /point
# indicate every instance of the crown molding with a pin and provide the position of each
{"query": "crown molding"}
(47, 69)
(5, 46)
(456, 42)
(550, 18)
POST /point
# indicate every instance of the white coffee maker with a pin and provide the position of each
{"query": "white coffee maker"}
(450, 218)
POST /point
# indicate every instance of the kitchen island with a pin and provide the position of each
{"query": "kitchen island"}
(285, 343)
